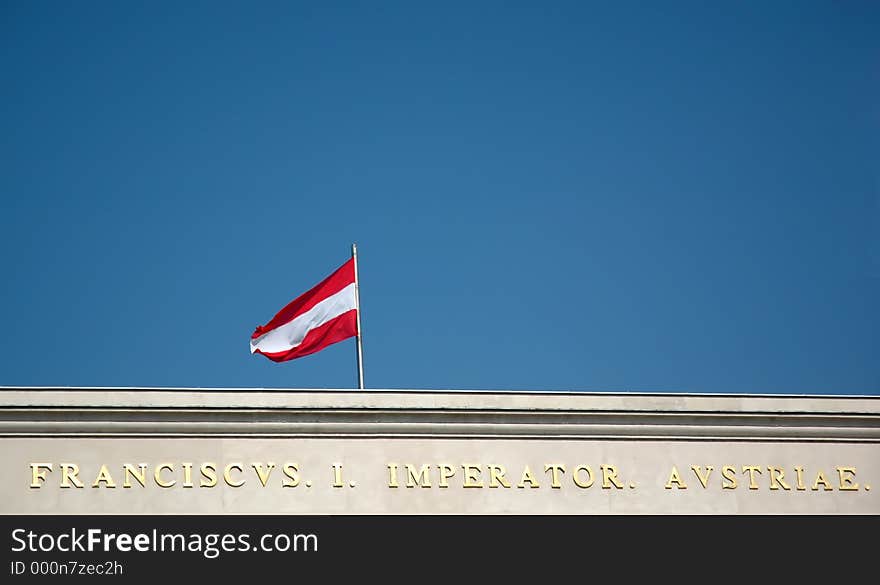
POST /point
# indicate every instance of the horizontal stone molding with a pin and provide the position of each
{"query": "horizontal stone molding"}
(154, 412)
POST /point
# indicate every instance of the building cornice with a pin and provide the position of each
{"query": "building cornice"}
(164, 412)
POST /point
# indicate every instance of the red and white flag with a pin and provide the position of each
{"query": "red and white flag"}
(324, 315)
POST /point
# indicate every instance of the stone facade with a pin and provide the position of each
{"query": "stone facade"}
(249, 451)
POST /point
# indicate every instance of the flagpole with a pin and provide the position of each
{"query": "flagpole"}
(357, 303)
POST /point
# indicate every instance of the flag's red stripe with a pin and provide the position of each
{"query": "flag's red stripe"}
(338, 329)
(331, 285)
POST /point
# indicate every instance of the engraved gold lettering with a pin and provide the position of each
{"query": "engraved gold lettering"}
(820, 478)
(263, 474)
(776, 475)
(37, 476)
(588, 471)
(496, 476)
(799, 472)
(609, 477)
(69, 472)
(446, 473)
(227, 474)
(528, 476)
(847, 475)
(423, 479)
(138, 472)
(752, 470)
(471, 475)
(675, 478)
(291, 472)
(556, 469)
(187, 474)
(704, 479)
(209, 475)
(104, 475)
(392, 475)
(157, 475)
(728, 472)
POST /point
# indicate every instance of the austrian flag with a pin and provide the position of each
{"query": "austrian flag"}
(324, 315)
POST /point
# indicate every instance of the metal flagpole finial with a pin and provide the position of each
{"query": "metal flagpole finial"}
(357, 302)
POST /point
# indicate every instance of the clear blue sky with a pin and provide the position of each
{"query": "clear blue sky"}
(675, 196)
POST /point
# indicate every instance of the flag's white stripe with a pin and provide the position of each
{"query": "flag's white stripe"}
(292, 333)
